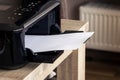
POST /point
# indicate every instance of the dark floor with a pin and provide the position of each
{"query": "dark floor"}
(103, 56)
(102, 65)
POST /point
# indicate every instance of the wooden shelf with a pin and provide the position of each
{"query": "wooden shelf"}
(39, 71)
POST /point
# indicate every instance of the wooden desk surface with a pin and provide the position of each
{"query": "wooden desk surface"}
(33, 71)
(74, 25)
(73, 68)
(39, 71)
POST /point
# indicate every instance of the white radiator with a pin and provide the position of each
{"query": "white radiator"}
(104, 20)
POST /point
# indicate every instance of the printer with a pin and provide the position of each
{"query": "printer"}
(31, 17)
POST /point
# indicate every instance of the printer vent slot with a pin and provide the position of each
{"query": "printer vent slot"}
(1, 42)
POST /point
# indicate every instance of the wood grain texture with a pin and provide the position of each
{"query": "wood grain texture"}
(18, 74)
(43, 70)
(39, 71)
(73, 68)
(78, 25)
(33, 71)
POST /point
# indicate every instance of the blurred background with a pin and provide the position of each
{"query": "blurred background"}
(103, 49)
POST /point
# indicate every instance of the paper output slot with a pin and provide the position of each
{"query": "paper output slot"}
(40, 43)
(46, 57)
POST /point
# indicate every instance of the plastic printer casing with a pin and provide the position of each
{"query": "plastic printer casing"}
(38, 17)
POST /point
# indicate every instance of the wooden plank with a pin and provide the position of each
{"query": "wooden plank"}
(74, 25)
(81, 63)
(47, 68)
(33, 71)
(18, 74)
(73, 68)
(39, 71)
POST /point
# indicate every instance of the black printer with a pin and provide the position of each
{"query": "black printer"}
(31, 17)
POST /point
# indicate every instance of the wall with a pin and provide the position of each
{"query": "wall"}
(70, 8)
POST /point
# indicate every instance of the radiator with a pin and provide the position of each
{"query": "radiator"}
(104, 20)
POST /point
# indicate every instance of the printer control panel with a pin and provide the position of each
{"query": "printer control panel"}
(20, 13)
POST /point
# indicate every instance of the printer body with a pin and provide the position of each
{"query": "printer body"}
(26, 17)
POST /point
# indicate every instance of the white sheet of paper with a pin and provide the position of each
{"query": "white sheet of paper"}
(69, 41)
